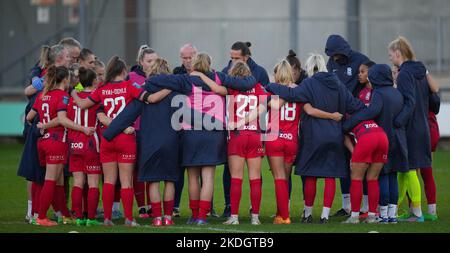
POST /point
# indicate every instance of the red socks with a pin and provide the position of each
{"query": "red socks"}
(310, 190)
(156, 209)
(329, 191)
(108, 199)
(373, 192)
(77, 195)
(255, 194)
(168, 207)
(194, 206)
(127, 196)
(282, 196)
(235, 195)
(356, 192)
(204, 208)
(92, 199)
(46, 198)
(61, 200)
(429, 185)
(35, 196)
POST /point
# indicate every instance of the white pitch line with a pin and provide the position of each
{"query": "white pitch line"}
(172, 227)
(218, 229)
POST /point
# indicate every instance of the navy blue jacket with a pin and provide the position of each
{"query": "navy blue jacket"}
(321, 152)
(347, 68)
(180, 70)
(412, 83)
(257, 71)
(159, 145)
(385, 104)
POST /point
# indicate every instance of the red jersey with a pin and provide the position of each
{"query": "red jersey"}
(242, 102)
(48, 107)
(368, 125)
(288, 120)
(114, 96)
(86, 117)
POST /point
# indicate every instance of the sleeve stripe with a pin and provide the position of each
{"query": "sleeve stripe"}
(90, 98)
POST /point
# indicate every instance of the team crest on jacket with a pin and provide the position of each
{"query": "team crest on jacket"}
(349, 71)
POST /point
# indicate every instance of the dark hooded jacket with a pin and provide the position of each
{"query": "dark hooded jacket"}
(385, 104)
(321, 151)
(412, 83)
(347, 67)
(258, 72)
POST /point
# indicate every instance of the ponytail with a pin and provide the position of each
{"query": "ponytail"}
(283, 73)
(244, 47)
(115, 67)
(54, 76)
(315, 63)
(143, 50)
(293, 60)
(402, 45)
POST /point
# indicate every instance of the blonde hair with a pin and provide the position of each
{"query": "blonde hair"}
(315, 63)
(44, 60)
(240, 69)
(402, 45)
(283, 73)
(143, 50)
(202, 63)
(159, 66)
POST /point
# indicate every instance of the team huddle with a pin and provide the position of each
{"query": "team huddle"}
(372, 126)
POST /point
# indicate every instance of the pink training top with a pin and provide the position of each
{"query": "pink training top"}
(206, 102)
(137, 80)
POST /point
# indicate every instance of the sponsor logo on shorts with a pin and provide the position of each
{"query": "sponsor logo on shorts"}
(384, 157)
(76, 145)
(57, 157)
(260, 150)
(93, 168)
(287, 136)
(128, 156)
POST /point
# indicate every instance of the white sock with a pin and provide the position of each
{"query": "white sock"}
(30, 206)
(355, 214)
(432, 209)
(308, 211)
(371, 214)
(255, 216)
(392, 211)
(116, 206)
(58, 214)
(325, 212)
(417, 211)
(168, 217)
(383, 211)
(234, 216)
(346, 202)
(365, 206)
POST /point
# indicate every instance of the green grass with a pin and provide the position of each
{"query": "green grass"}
(13, 206)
